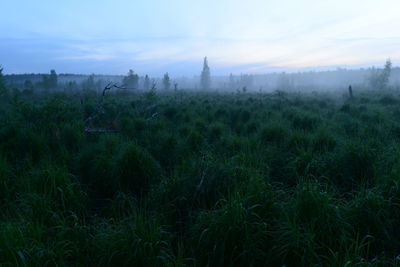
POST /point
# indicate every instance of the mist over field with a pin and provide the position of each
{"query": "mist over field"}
(209, 133)
(309, 81)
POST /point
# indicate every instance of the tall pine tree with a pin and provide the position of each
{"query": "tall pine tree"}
(3, 89)
(53, 79)
(131, 80)
(166, 81)
(146, 84)
(2, 83)
(205, 80)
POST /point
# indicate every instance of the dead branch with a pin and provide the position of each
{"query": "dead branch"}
(100, 110)
(153, 116)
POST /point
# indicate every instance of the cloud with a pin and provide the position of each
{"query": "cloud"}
(158, 36)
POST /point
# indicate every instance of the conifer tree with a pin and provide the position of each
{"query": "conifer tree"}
(146, 84)
(131, 80)
(205, 80)
(166, 81)
(53, 79)
(2, 83)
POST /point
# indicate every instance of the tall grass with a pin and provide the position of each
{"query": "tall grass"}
(213, 179)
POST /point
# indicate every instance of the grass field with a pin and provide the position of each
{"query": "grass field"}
(200, 179)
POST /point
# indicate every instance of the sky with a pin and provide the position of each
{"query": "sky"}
(157, 36)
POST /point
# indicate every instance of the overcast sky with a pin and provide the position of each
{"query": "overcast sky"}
(156, 36)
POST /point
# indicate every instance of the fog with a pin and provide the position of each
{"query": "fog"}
(310, 81)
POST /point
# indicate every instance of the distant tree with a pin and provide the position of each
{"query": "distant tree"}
(3, 89)
(88, 84)
(2, 83)
(146, 83)
(246, 80)
(379, 79)
(151, 94)
(205, 79)
(231, 81)
(71, 86)
(28, 87)
(166, 81)
(350, 91)
(131, 80)
(386, 72)
(53, 79)
(284, 82)
(50, 81)
(46, 82)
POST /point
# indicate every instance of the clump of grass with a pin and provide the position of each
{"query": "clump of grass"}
(72, 136)
(194, 141)
(170, 112)
(95, 165)
(245, 116)
(200, 125)
(299, 141)
(355, 167)
(388, 100)
(313, 227)
(323, 142)
(252, 127)
(273, 134)
(138, 240)
(122, 206)
(235, 234)
(25, 244)
(5, 181)
(301, 119)
(50, 190)
(216, 130)
(167, 151)
(135, 169)
(370, 216)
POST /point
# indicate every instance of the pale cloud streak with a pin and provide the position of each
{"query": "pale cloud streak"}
(259, 35)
